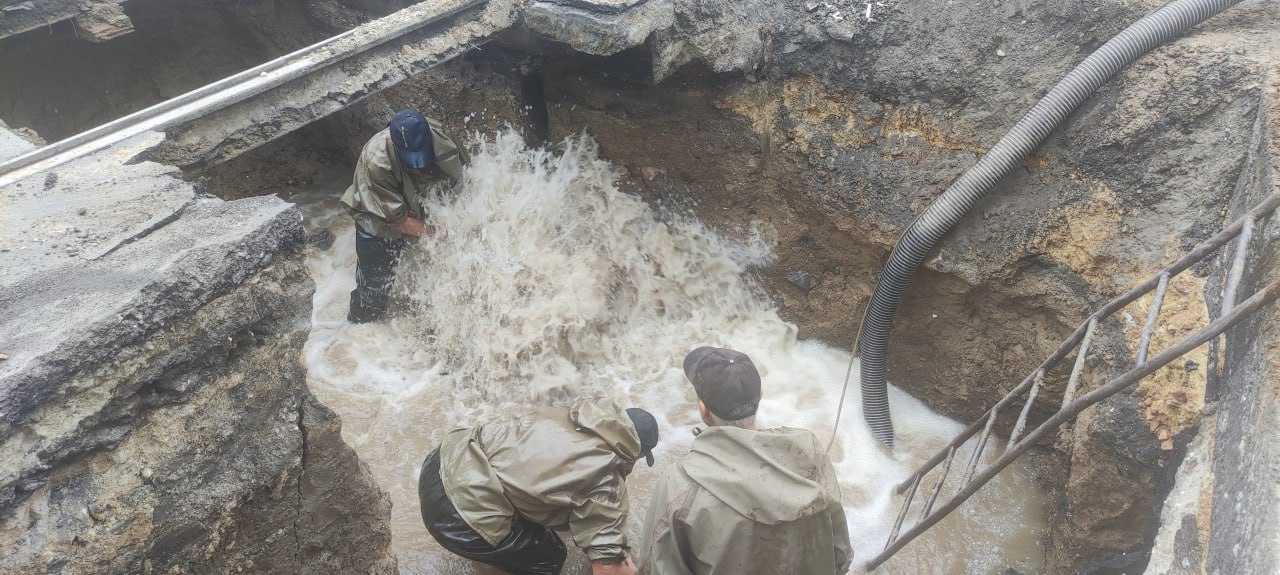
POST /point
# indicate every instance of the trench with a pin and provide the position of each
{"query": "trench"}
(552, 283)
(607, 225)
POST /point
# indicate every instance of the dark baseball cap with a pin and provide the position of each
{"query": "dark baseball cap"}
(412, 137)
(647, 429)
(725, 380)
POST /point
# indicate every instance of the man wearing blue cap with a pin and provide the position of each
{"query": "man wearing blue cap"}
(412, 158)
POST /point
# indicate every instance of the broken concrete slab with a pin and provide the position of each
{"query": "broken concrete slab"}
(12, 144)
(598, 28)
(1179, 547)
(49, 224)
(103, 22)
(149, 415)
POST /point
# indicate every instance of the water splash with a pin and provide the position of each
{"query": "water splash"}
(566, 284)
(548, 282)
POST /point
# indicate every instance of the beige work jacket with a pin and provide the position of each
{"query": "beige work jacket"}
(556, 467)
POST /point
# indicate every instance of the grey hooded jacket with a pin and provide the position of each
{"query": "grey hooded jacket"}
(747, 503)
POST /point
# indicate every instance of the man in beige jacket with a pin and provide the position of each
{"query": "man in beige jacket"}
(495, 493)
(414, 157)
(744, 501)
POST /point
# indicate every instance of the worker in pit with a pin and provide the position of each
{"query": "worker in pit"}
(398, 167)
(744, 501)
(496, 493)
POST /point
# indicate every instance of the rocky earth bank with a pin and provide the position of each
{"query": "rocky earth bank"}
(154, 415)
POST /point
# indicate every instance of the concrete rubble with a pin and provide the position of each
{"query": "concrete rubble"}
(97, 20)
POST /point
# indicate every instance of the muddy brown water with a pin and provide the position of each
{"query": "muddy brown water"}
(549, 284)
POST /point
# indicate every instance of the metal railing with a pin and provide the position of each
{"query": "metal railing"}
(1081, 338)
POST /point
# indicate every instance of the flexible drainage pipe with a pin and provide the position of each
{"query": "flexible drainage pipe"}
(1174, 19)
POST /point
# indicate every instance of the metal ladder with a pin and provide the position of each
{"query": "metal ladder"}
(1081, 338)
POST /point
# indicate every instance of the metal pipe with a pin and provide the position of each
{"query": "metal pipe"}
(1079, 365)
(1144, 342)
(1026, 409)
(937, 487)
(1195, 255)
(1237, 265)
(902, 514)
(977, 450)
(237, 87)
(963, 436)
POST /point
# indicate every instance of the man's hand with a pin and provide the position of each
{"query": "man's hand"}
(623, 568)
(415, 227)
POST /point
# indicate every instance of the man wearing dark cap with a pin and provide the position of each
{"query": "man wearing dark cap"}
(744, 501)
(413, 158)
(497, 492)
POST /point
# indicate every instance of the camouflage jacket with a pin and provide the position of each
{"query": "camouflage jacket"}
(383, 193)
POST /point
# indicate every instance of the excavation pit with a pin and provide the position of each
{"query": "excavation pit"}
(784, 157)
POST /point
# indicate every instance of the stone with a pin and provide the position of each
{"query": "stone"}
(802, 279)
(321, 240)
(589, 28)
(651, 173)
(102, 21)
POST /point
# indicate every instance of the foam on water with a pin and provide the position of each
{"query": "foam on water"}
(549, 283)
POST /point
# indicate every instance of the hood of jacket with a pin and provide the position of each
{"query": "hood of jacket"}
(610, 422)
(769, 476)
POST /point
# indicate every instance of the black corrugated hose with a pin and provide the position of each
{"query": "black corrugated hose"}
(1172, 20)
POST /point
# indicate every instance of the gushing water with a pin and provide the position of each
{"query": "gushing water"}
(548, 283)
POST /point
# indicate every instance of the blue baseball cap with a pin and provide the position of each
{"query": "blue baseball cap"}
(412, 137)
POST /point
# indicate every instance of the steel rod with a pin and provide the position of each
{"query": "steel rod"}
(1190, 258)
(1153, 314)
(1079, 365)
(977, 450)
(1237, 314)
(1026, 408)
(906, 506)
(963, 436)
(1237, 265)
(937, 487)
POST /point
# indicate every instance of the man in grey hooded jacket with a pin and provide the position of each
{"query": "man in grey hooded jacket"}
(744, 501)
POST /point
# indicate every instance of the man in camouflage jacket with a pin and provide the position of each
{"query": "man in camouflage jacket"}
(413, 158)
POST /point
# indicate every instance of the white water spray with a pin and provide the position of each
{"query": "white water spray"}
(549, 283)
